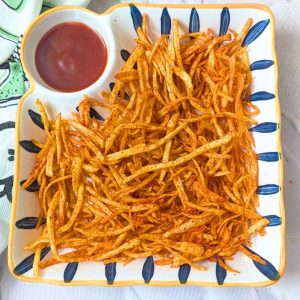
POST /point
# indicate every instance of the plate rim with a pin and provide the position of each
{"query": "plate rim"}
(118, 283)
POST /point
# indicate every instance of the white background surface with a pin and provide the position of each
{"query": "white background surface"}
(288, 45)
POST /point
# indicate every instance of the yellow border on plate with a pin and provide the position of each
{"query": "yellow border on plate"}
(141, 282)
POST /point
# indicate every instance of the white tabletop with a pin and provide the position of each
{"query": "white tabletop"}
(288, 48)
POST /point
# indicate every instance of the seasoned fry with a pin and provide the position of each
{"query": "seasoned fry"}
(40, 106)
(172, 170)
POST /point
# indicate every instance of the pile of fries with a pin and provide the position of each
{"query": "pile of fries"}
(171, 172)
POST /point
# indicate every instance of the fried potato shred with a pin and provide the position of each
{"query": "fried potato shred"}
(171, 172)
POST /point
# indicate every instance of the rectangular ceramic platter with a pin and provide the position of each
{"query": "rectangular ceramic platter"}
(117, 29)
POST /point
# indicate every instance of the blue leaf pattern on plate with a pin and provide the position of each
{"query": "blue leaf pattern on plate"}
(36, 118)
(34, 187)
(136, 16)
(194, 21)
(274, 220)
(111, 85)
(266, 127)
(220, 274)
(268, 189)
(29, 223)
(255, 32)
(225, 20)
(268, 269)
(124, 54)
(165, 22)
(126, 96)
(183, 273)
(262, 95)
(29, 146)
(261, 64)
(268, 156)
(110, 272)
(26, 264)
(93, 114)
(70, 271)
(148, 269)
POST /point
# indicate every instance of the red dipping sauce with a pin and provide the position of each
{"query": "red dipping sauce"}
(70, 57)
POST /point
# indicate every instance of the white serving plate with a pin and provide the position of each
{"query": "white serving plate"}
(116, 26)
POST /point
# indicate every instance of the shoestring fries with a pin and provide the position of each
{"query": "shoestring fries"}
(172, 172)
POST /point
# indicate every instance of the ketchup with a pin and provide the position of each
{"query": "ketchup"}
(70, 56)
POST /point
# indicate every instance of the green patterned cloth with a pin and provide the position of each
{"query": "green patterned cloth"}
(15, 16)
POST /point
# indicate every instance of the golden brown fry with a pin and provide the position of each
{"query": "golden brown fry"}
(252, 256)
(76, 170)
(42, 110)
(36, 260)
(76, 211)
(226, 267)
(50, 158)
(89, 133)
(258, 225)
(126, 246)
(51, 223)
(187, 225)
(58, 137)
